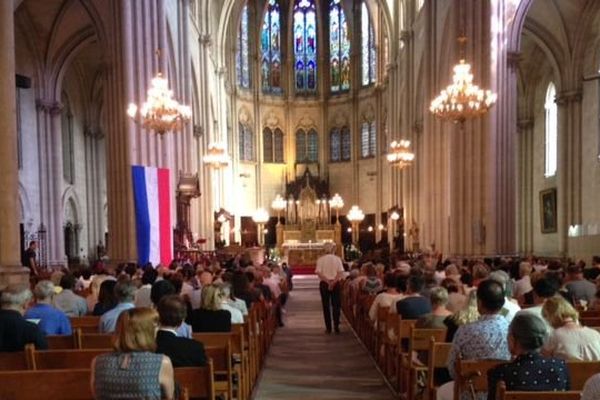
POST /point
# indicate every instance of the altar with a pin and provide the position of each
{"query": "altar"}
(308, 224)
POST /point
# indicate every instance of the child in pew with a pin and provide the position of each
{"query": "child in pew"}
(133, 370)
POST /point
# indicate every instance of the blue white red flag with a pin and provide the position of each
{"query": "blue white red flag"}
(152, 199)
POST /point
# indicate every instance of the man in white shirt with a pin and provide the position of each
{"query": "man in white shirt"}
(330, 271)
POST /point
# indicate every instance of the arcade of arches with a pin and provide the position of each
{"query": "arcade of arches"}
(290, 86)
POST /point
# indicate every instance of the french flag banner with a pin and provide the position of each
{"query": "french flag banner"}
(152, 199)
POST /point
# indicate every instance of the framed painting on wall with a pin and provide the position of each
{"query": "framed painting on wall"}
(548, 216)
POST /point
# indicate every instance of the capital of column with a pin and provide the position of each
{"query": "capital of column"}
(206, 40)
(524, 124)
(52, 107)
(513, 58)
(406, 36)
(569, 96)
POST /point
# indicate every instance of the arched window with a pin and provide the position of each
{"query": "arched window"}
(420, 4)
(369, 52)
(270, 43)
(307, 146)
(305, 46)
(339, 144)
(339, 47)
(272, 146)
(368, 139)
(551, 131)
(242, 51)
(246, 140)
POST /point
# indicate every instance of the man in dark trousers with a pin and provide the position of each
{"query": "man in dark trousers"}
(330, 271)
(29, 258)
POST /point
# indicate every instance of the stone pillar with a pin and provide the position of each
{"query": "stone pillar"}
(525, 186)
(10, 258)
(51, 178)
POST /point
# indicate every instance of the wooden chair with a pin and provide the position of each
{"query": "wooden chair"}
(87, 324)
(580, 371)
(471, 375)
(503, 394)
(420, 339)
(60, 342)
(197, 382)
(72, 384)
(437, 358)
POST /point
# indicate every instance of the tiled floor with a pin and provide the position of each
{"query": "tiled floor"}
(305, 363)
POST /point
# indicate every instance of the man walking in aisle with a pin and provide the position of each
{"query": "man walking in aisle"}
(330, 271)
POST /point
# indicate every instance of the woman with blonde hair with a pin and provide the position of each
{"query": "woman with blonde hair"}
(468, 314)
(133, 370)
(569, 340)
(210, 317)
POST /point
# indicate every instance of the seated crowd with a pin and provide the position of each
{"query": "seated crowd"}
(152, 314)
(526, 312)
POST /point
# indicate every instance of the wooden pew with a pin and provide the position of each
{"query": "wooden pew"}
(234, 343)
(503, 394)
(197, 382)
(580, 371)
(419, 342)
(87, 324)
(594, 321)
(223, 368)
(94, 340)
(381, 333)
(241, 346)
(438, 355)
(60, 342)
(63, 359)
(72, 384)
(471, 375)
(10, 361)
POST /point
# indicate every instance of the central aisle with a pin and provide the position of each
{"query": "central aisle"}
(305, 363)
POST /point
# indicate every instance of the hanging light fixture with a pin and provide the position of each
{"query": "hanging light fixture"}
(462, 100)
(160, 112)
(400, 154)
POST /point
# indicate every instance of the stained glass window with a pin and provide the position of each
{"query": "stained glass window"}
(339, 47)
(339, 143)
(268, 145)
(368, 139)
(305, 46)
(278, 146)
(246, 144)
(369, 52)
(335, 145)
(307, 146)
(273, 146)
(270, 44)
(312, 146)
(346, 144)
(242, 51)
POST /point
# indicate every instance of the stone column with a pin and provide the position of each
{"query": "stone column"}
(525, 186)
(10, 264)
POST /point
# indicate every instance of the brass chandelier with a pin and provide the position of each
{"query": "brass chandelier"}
(400, 154)
(462, 100)
(160, 112)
